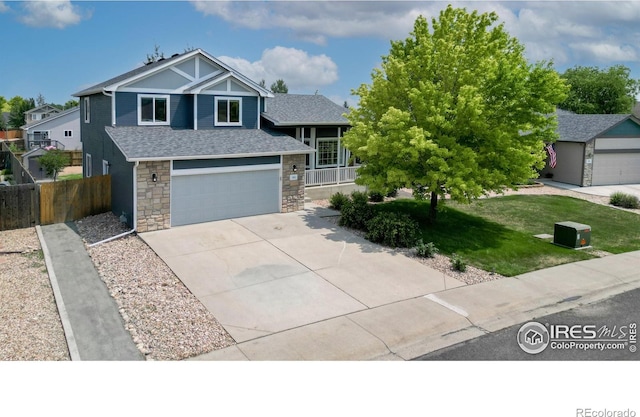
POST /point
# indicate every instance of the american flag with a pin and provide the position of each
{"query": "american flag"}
(552, 155)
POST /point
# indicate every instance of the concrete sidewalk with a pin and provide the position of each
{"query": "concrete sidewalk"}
(93, 326)
(410, 328)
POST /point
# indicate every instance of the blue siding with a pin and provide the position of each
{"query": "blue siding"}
(96, 142)
(180, 112)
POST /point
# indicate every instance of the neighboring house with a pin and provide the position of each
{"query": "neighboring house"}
(184, 143)
(39, 113)
(596, 149)
(61, 130)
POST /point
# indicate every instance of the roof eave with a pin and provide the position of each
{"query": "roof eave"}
(219, 156)
(278, 123)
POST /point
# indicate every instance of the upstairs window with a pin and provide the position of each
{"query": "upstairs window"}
(153, 110)
(228, 111)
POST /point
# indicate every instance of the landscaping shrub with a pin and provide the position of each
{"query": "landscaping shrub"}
(376, 197)
(393, 229)
(356, 212)
(458, 263)
(393, 193)
(426, 250)
(621, 199)
(337, 200)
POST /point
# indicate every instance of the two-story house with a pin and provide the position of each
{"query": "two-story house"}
(60, 129)
(184, 142)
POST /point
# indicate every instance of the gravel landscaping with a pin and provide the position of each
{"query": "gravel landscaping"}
(30, 327)
(166, 321)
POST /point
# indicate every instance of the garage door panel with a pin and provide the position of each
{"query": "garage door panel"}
(616, 168)
(217, 196)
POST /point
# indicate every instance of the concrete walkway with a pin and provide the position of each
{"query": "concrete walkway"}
(93, 326)
(601, 190)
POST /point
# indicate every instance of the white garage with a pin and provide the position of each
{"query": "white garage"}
(234, 188)
(616, 168)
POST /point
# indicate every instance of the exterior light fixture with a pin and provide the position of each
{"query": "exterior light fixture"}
(295, 168)
(154, 177)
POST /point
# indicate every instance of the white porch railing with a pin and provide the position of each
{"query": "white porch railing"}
(328, 176)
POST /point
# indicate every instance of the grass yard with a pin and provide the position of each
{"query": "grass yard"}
(70, 177)
(497, 233)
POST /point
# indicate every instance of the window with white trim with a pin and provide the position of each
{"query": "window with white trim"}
(228, 111)
(327, 153)
(153, 109)
(87, 165)
(87, 110)
(68, 133)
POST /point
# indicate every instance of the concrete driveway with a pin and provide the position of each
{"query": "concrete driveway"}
(601, 190)
(266, 274)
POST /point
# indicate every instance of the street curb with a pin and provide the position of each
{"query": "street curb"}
(64, 317)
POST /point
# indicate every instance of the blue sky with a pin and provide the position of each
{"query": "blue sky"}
(56, 48)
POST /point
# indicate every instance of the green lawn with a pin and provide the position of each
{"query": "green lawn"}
(497, 233)
(70, 177)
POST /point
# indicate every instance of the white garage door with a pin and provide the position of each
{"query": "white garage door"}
(616, 168)
(198, 197)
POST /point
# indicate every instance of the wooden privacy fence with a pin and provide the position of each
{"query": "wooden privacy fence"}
(19, 206)
(65, 201)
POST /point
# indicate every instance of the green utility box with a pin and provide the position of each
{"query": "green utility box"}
(572, 235)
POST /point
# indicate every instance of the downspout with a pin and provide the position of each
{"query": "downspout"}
(113, 106)
(135, 211)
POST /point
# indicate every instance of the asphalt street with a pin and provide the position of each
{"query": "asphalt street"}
(600, 331)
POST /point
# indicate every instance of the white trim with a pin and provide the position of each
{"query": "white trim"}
(229, 99)
(182, 73)
(258, 115)
(337, 141)
(195, 112)
(154, 97)
(222, 170)
(135, 195)
(218, 156)
(150, 90)
(227, 94)
(105, 167)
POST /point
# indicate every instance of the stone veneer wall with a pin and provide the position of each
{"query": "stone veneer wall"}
(154, 198)
(293, 190)
(587, 169)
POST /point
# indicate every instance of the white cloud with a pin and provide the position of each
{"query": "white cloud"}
(3, 7)
(315, 21)
(563, 31)
(299, 70)
(51, 13)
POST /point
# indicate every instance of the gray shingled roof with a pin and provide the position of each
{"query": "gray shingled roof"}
(584, 127)
(298, 109)
(98, 87)
(163, 142)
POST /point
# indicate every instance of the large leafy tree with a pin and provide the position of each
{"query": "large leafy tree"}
(455, 109)
(597, 91)
(18, 106)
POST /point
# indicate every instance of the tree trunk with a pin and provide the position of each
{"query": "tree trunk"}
(433, 208)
